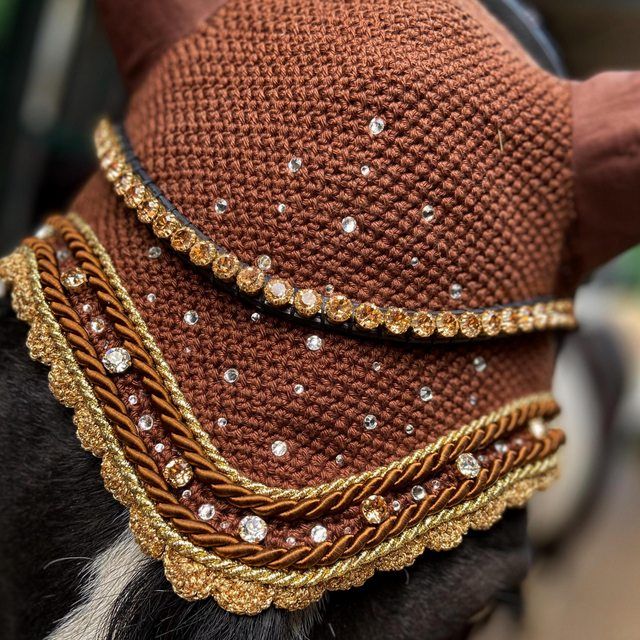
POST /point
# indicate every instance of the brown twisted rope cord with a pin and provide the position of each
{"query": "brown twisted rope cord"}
(226, 546)
(184, 440)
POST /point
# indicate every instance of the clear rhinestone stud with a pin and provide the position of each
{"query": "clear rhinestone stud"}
(191, 317)
(365, 170)
(252, 529)
(426, 394)
(395, 505)
(116, 360)
(376, 366)
(282, 208)
(415, 261)
(206, 512)
(473, 399)
(418, 493)
(428, 213)
(349, 224)
(479, 364)
(221, 206)
(538, 428)
(290, 541)
(314, 343)
(133, 399)
(279, 448)
(97, 325)
(455, 291)
(340, 460)
(145, 422)
(319, 534)
(370, 422)
(154, 252)
(74, 279)
(255, 317)
(409, 429)
(294, 165)
(298, 388)
(468, 465)
(263, 262)
(151, 297)
(159, 448)
(376, 126)
(222, 422)
(231, 376)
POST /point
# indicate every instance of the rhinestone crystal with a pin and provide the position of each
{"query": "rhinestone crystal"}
(365, 170)
(307, 302)
(279, 448)
(455, 291)
(151, 297)
(426, 394)
(154, 252)
(415, 261)
(183, 239)
(468, 465)
(73, 279)
(149, 210)
(282, 208)
(340, 460)
(206, 512)
(509, 320)
(428, 213)
(133, 399)
(278, 292)
(314, 343)
(447, 324)
(423, 324)
(263, 262)
(491, 322)
(470, 325)
(145, 422)
(375, 509)
(368, 316)
(479, 364)
(294, 165)
(202, 253)
(318, 534)
(418, 493)
(376, 126)
(225, 266)
(178, 472)
(397, 321)
(525, 319)
(538, 428)
(376, 366)
(165, 225)
(396, 506)
(231, 375)
(298, 389)
(97, 325)
(370, 422)
(255, 317)
(338, 309)
(221, 206)
(409, 429)
(250, 280)
(349, 224)
(222, 422)
(116, 360)
(191, 317)
(135, 196)
(252, 529)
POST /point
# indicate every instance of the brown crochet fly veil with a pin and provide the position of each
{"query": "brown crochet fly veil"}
(307, 310)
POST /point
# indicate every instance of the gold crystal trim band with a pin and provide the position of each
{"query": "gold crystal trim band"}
(138, 192)
(194, 572)
(203, 437)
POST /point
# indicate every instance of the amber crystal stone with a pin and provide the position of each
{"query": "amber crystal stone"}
(202, 253)
(491, 322)
(183, 239)
(447, 324)
(423, 324)
(225, 266)
(115, 170)
(135, 195)
(525, 319)
(338, 309)
(278, 292)
(368, 316)
(307, 302)
(250, 280)
(375, 509)
(540, 316)
(124, 183)
(149, 210)
(397, 321)
(509, 319)
(470, 325)
(178, 472)
(165, 225)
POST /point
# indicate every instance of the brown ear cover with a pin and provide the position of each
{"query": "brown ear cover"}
(606, 129)
(140, 31)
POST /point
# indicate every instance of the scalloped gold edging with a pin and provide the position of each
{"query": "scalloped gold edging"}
(194, 572)
(203, 437)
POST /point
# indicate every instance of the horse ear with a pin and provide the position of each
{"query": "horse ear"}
(141, 31)
(606, 148)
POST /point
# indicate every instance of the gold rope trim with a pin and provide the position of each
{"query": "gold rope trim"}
(203, 437)
(194, 572)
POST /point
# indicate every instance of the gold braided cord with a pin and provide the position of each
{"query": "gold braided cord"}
(203, 437)
(194, 572)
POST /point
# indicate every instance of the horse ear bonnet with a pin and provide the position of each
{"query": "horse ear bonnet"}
(307, 310)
